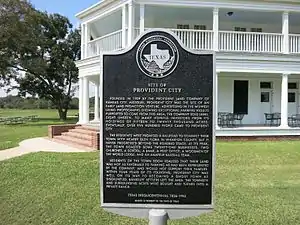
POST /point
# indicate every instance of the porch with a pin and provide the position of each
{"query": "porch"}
(258, 101)
(254, 132)
(220, 30)
(259, 104)
(247, 131)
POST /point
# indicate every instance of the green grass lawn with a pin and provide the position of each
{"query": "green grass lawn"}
(11, 135)
(257, 183)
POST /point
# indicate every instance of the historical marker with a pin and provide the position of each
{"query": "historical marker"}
(157, 128)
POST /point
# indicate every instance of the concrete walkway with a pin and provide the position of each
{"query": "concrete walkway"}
(37, 145)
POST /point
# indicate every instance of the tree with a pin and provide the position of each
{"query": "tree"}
(18, 102)
(15, 35)
(46, 55)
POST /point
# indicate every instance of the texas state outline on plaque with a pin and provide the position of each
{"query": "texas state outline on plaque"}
(159, 56)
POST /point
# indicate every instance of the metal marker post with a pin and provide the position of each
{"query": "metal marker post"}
(158, 217)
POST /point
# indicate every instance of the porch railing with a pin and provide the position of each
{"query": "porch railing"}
(295, 43)
(203, 39)
(195, 39)
(109, 42)
(250, 42)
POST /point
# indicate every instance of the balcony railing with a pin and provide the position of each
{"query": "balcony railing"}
(295, 43)
(109, 42)
(196, 39)
(229, 41)
(250, 42)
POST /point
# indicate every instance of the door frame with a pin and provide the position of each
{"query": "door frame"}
(296, 91)
(271, 90)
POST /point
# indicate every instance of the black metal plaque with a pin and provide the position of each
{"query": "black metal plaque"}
(157, 122)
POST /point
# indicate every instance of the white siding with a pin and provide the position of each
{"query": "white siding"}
(255, 111)
(225, 94)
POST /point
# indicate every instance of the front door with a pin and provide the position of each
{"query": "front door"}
(266, 103)
(240, 102)
(292, 100)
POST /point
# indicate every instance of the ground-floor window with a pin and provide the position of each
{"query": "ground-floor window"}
(292, 97)
(265, 97)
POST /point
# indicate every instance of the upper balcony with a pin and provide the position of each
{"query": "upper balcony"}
(221, 30)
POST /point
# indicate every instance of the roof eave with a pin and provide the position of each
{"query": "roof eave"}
(93, 8)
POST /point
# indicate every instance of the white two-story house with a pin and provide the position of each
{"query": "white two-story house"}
(257, 45)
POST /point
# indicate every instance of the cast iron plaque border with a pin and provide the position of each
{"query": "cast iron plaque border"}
(141, 210)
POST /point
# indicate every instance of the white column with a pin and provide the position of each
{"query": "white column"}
(284, 101)
(97, 109)
(217, 97)
(86, 40)
(216, 29)
(82, 41)
(130, 23)
(285, 32)
(86, 105)
(124, 26)
(142, 18)
(133, 21)
(80, 102)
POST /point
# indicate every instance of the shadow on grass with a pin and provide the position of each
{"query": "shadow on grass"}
(43, 122)
(57, 119)
(51, 123)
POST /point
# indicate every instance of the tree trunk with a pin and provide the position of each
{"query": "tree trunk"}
(62, 114)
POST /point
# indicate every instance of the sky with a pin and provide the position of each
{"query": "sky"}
(67, 8)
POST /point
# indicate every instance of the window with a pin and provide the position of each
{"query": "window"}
(258, 30)
(242, 29)
(200, 37)
(292, 97)
(265, 85)
(183, 26)
(239, 41)
(265, 97)
(199, 27)
(293, 86)
(257, 40)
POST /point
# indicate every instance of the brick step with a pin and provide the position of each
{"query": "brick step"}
(75, 145)
(83, 136)
(76, 141)
(89, 128)
(82, 131)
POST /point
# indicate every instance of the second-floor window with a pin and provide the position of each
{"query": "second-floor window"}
(239, 40)
(199, 27)
(257, 30)
(200, 37)
(183, 26)
(240, 29)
